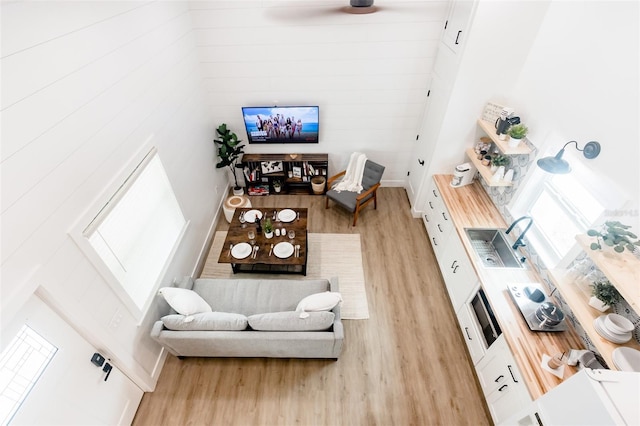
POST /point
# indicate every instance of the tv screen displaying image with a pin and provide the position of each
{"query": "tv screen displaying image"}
(288, 124)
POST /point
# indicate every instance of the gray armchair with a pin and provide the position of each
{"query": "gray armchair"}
(353, 201)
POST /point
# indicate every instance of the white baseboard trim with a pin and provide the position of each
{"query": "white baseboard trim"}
(204, 250)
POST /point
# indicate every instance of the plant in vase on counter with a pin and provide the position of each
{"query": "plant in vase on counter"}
(277, 185)
(614, 234)
(603, 295)
(517, 132)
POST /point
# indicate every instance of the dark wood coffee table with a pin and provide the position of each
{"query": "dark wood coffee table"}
(263, 261)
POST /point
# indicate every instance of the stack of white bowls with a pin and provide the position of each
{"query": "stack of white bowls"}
(613, 327)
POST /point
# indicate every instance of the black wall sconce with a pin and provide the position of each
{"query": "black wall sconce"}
(558, 165)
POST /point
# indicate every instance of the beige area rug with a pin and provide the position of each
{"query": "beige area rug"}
(329, 255)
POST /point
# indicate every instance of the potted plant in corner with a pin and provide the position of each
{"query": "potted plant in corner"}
(517, 132)
(603, 295)
(230, 151)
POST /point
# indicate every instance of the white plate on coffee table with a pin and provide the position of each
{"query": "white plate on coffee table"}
(283, 249)
(241, 251)
(286, 215)
(251, 215)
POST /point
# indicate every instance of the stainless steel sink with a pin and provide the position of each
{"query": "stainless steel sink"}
(493, 248)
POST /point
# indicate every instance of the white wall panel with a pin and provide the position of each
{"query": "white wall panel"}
(113, 81)
(27, 24)
(56, 102)
(45, 63)
(368, 73)
(90, 137)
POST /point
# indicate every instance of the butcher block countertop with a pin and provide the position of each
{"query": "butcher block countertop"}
(471, 207)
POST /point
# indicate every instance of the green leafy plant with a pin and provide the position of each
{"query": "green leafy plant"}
(614, 234)
(606, 292)
(268, 226)
(518, 131)
(277, 184)
(500, 160)
(230, 150)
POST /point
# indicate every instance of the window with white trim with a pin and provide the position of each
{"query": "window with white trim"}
(563, 206)
(136, 232)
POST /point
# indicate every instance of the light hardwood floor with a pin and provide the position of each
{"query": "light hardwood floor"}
(406, 365)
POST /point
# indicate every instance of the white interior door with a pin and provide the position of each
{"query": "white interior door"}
(71, 390)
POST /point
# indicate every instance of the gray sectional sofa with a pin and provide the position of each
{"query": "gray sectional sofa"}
(277, 299)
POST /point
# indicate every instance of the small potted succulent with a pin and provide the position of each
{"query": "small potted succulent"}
(277, 185)
(268, 228)
(499, 160)
(517, 132)
(603, 295)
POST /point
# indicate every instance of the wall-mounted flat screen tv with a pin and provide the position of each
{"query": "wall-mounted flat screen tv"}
(286, 124)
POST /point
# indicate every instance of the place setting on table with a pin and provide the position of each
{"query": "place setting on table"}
(267, 240)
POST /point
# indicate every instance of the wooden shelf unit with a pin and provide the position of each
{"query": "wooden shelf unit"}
(485, 171)
(503, 146)
(577, 296)
(621, 269)
(309, 165)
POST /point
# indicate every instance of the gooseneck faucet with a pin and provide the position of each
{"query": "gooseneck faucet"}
(519, 242)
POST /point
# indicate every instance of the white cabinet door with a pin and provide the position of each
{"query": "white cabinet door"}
(457, 271)
(470, 333)
(436, 106)
(437, 220)
(502, 384)
(504, 402)
(456, 26)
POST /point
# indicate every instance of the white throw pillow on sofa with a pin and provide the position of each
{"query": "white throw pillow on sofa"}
(185, 302)
(318, 302)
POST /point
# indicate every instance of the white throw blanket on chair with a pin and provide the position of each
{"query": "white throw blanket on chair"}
(352, 180)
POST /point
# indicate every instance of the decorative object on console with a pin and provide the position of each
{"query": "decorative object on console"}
(614, 234)
(271, 167)
(229, 150)
(277, 185)
(517, 133)
(557, 165)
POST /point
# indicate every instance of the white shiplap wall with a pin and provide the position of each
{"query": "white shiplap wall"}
(86, 87)
(368, 73)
